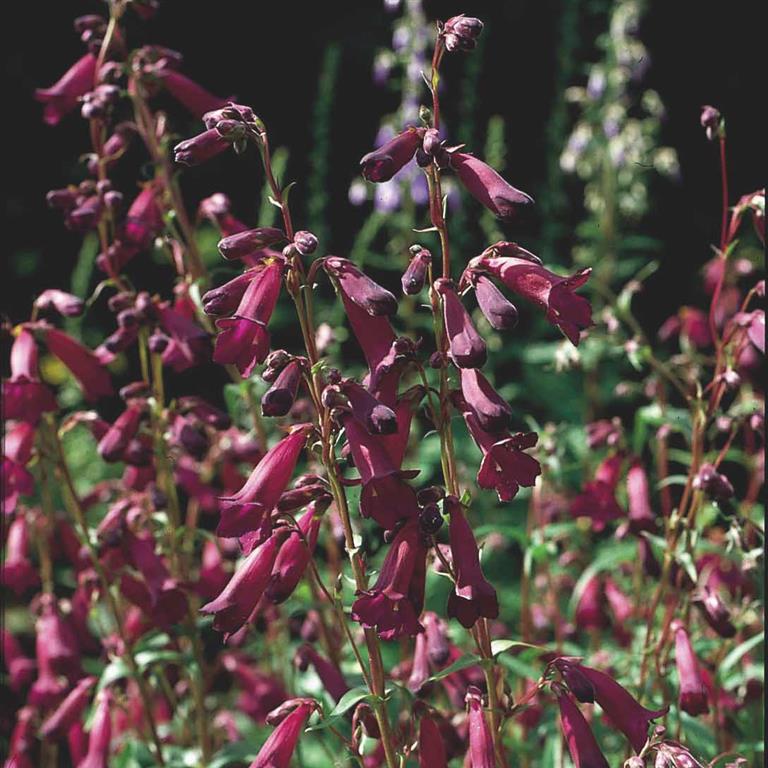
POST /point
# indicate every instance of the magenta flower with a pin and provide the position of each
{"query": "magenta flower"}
(492, 412)
(414, 277)
(248, 242)
(248, 510)
(244, 339)
(295, 554)
(144, 219)
(598, 499)
(21, 669)
(395, 601)
(64, 95)
(528, 278)
(671, 754)
(584, 749)
(18, 571)
(481, 752)
(377, 418)
(186, 344)
(218, 209)
(356, 285)
(69, 711)
(21, 746)
(237, 601)
(82, 363)
(279, 398)
(693, 692)
(641, 517)
(621, 605)
(188, 93)
(590, 611)
(54, 300)
(278, 749)
(488, 187)
(500, 313)
(466, 346)
(473, 596)
(101, 734)
(200, 148)
(383, 163)
(116, 439)
(621, 708)
(330, 675)
(715, 612)
(690, 324)
(504, 466)
(25, 397)
(431, 744)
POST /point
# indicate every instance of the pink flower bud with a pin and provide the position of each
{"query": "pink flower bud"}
(481, 751)
(279, 398)
(383, 163)
(363, 291)
(200, 148)
(243, 244)
(18, 572)
(460, 33)
(489, 408)
(64, 303)
(466, 346)
(414, 277)
(278, 749)
(693, 692)
(641, 516)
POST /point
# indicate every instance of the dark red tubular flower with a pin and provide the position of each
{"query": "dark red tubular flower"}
(383, 163)
(244, 339)
(693, 693)
(246, 243)
(278, 749)
(492, 412)
(641, 517)
(200, 148)
(578, 683)
(295, 554)
(363, 291)
(420, 670)
(385, 495)
(504, 466)
(528, 278)
(186, 343)
(621, 606)
(243, 513)
(377, 418)
(279, 398)
(500, 313)
(22, 752)
(25, 397)
(395, 601)
(116, 439)
(481, 752)
(598, 499)
(69, 711)
(584, 749)
(100, 735)
(144, 219)
(65, 304)
(18, 572)
(21, 669)
(188, 93)
(64, 95)
(466, 346)
(224, 299)
(83, 364)
(621, 708)
(488, 187)
(414, 277)
(438, 646)
(330, 675)
(431, 747)
(239, 598)
(473, 596)
(590, 611)
(715, 612)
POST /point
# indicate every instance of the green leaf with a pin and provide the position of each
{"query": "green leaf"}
(501, 646)
(115, 670)
(735, 655)
(468, 660)
(350, 698)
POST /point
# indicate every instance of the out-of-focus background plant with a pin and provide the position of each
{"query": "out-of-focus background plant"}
(645, 532)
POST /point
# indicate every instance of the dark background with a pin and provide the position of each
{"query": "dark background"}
(269, 55)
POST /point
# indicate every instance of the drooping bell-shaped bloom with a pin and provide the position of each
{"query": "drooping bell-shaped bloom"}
(239, 598)
(56, 641)
(363, 291)
(69, 711)
(504, 466)
(395, 601)
(244, 512)
(383, 163)
(144, 219)
(116, 439)
(492, 412)
(473, 596)
(420, 669)
(466, 346)
(278, 749)
(584, 749)
(200, 148)
(499, 311)
(438, 646)
(598, 499)
(188, 93)
(65, 304)
(693, 693)
(243, 339)
(578, 683)
(488, 187)
(25, 397)
(481, 752)
(590, 608)
(414, 277)
(64, 95)
(82, 363)
(100, 736)
(294, 555)
(246, 243)
(526, 277)
(385, 495)
(621, 708)
(641, 517)
(18, 572)
(431, 746)
(279, 398)
(21, 669)
(715, 612)
(377, 418)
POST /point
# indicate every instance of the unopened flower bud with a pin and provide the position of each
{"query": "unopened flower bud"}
(430, 519)
(305, 242)
(158, 343)
(127, 318)
(113, 199)
(430, 495)
(414, 277)
(431, 142)
(712, 122)
(460, 33)
(716, 485)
